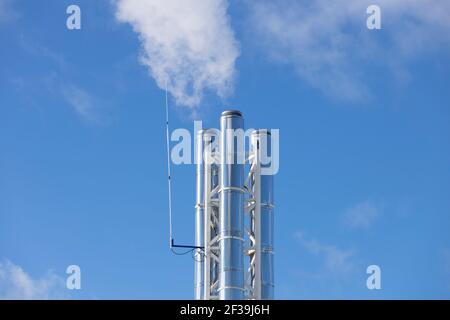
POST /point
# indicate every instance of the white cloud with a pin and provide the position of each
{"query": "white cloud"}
(329, 46)
(335, 259)
(15, 283)
(361, 215)
(188, 44)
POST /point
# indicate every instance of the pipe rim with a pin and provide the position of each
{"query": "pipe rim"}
(231, 113)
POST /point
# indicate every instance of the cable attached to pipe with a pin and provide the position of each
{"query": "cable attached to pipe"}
(169, 187)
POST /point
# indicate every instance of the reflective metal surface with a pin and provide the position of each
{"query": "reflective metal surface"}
(198, 255)
(267, 220)
(231, 217)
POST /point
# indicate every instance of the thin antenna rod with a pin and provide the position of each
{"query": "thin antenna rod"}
(169, 176)
(169, 186)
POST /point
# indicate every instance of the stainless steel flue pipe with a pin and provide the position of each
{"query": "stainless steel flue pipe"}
(231, 210)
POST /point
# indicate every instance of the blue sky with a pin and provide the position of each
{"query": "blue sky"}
(364, 124)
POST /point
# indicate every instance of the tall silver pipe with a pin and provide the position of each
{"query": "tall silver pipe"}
(199, 216)
(267, 217)
(231, 231)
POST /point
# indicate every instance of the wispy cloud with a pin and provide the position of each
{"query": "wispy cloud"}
(7, 12)
(446, 260)
(362, 215)
(324, 269)
(333, 257)
(84, 104)
(329, 46)
(15, 283)
(91, 108)
(187, 44)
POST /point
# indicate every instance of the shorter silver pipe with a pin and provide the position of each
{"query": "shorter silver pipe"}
(199, 216)
(209, 211)
(267, 217)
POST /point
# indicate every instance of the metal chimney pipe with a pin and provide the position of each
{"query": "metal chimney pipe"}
(231, 224)
(263, 138)
(199, 217)
(210, 213)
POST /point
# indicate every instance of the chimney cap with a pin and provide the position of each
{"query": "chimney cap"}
(231, 113)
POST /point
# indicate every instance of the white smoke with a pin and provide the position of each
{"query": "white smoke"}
(188, 45)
